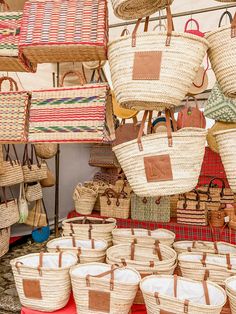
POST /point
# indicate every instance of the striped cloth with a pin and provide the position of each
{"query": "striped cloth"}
(68, 114)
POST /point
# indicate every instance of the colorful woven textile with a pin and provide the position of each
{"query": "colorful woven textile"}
(10, 58)
(68, 114)
(64, 31)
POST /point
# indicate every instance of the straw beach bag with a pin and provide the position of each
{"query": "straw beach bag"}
(84, 199)
(42, 280)
(9, 210)
(154, 70)
(4, 240)
(87, 251)
(144, 159)
(69, 34)
(101, 288)
(177, 295)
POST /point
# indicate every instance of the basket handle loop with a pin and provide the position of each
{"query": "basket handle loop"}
(109, 272)
(77, 73)
(206, 292)
(134, 34)
(226, 13)
(124, 32)
(210, 186)
(13, 84)
(187, 24)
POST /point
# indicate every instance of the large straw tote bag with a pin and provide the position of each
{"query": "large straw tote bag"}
(64, 31)
(214, 267)
(42, 280)
(10, 57)
(177, 295)
(12, 169)
(69, 114)
(101, 288)
(204, 246)
(143, 237)
(87, 251)
(217, 127)
(222, 49)
(9, 210)
(226, 141)
(84, 199)
(4, 240)
(144, 159)
(154, 70)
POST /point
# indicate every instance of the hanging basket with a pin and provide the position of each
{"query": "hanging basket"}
(46, 150)
(4, 240)
(171, 62)
(230, 285)
(42, 280)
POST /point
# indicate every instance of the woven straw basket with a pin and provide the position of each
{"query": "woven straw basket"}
(89, 228)
(9, 213)
(132, 9)
(4, 240)
(101, 288)
(143, 237)
(217, 127)
(214, 267)
(46, 150)
(204, 246)
(179, 56)
(226, 141)
(84, 199)
(42, 280)
(34, 192)
(35, 172)
(172, 294)
(101, 187)
(222, 49)
(230, 285)
(186, 152)
(87, 251)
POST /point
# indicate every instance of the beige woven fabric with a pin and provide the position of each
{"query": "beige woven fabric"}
(4, 240)
(12, 173)
(46, 150)
(9, 213)
(35, 173)
(230, 286)
(84, 199)
(204, 246)
(34, 192)
(112, 208)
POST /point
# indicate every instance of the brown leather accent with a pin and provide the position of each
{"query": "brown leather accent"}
(216, 248)
(169, 129)
(157, 251)
(166, 312)
(73, 242)
(99, 301)
(135, 241)
(78, 254)
(233, 27)
(203, 260)
(151, 264)
(140, 133)
(17, 265)
(189, 249)
(186, 303)
(90, 232)
(132, 247)
(156, 295)
(41, 259)
(194, 245)
(132, 231)
(158, 168)
(125, 133)
(58, 248)
(32, 289)
(175, 285)
(136, 28)
(72, 228)
(170, 25)
(147, 65)
(158, 200)
(150, 233)
(149, 128)
(206, 292)
(123, 262)
(60, 260)
(206, 275)
(229, 266)
(92, 244)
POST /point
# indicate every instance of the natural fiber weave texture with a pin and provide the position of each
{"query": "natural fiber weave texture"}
(68, 114)
(179, 64)
(33, 192)
(46, 150)
(186, 156)
(4, 241)
(9, 213)
(12, 173)
(35, 172)
(204, 246)
(132, 9)
(10, 57)
(230, 288)
(226, 141)
(188, 212)
(64, 31)
(84, 199)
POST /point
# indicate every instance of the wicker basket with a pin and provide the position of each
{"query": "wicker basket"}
(143, 237)
(4, 240)
(176, 56)
(89, 228)
(204, 246)
(222, 49)
(9, 213)
(200, 266)
(34, 192)
(101, 187)
(84, 199)
(87, 251)
(132, 9)
(42, 280)
(62, 31)
(226, 141)
(173, 205)
(101, 288)
(172, 294)
(46, 150)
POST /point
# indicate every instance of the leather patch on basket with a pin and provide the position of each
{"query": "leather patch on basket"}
(147, 65)
(99, 301)
(32, 289)
(158, 168)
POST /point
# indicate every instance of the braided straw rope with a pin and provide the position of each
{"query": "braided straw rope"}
(88, 251)
(186, 296)
(52, 277)
(117, 286)
(84, 199)
(4, 240)
(226, 141)
(133, 9)
(9, 213)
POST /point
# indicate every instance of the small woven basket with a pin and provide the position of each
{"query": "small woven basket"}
(4, 240)
(84, 199)
(230, 286)
(46, 150)
(33, 192)
(9, 213)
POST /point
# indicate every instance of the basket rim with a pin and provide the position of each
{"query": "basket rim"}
(116, 230)
(224, 132)
(217, 30)
(70, 220)
(77, 87)
(228, 280)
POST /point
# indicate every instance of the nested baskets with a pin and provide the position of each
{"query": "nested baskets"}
(86, 250)
(215, 267)
(172, 294)
(84, 199)
(204, 246)
(226, 142)
(142, 236)
(89, 228)
(64, 31)
(230, 286)
(171, 62)
(42, 280)
(101, 288)
(132, 9)
(4, 240)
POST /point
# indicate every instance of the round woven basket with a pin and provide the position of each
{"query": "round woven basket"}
(4, 240)
(87, 251)
(46, 150)
(226, 141)
(172, 294)
(133, 9)
(34, 192)
(48, 274)
(204, 246)
(218, 126)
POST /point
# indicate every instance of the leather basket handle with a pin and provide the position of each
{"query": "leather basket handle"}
(109, 272)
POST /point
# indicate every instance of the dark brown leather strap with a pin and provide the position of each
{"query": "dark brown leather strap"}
(203, 260)
(206, 274)
(233, 27)
(73, 241)
(168, 126)
(134, 34)
(170, 26)
(132, 231)
(206, 292)
(111, 272)
(132, 252)
(123, 262)
(58, 249)
(151, 264)
(216, 248)
(157, 251)
(186, 304)
(149, 233)
(72, 228)
(79, 253)
(90, 232)
(92, 244)
(175, 285)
